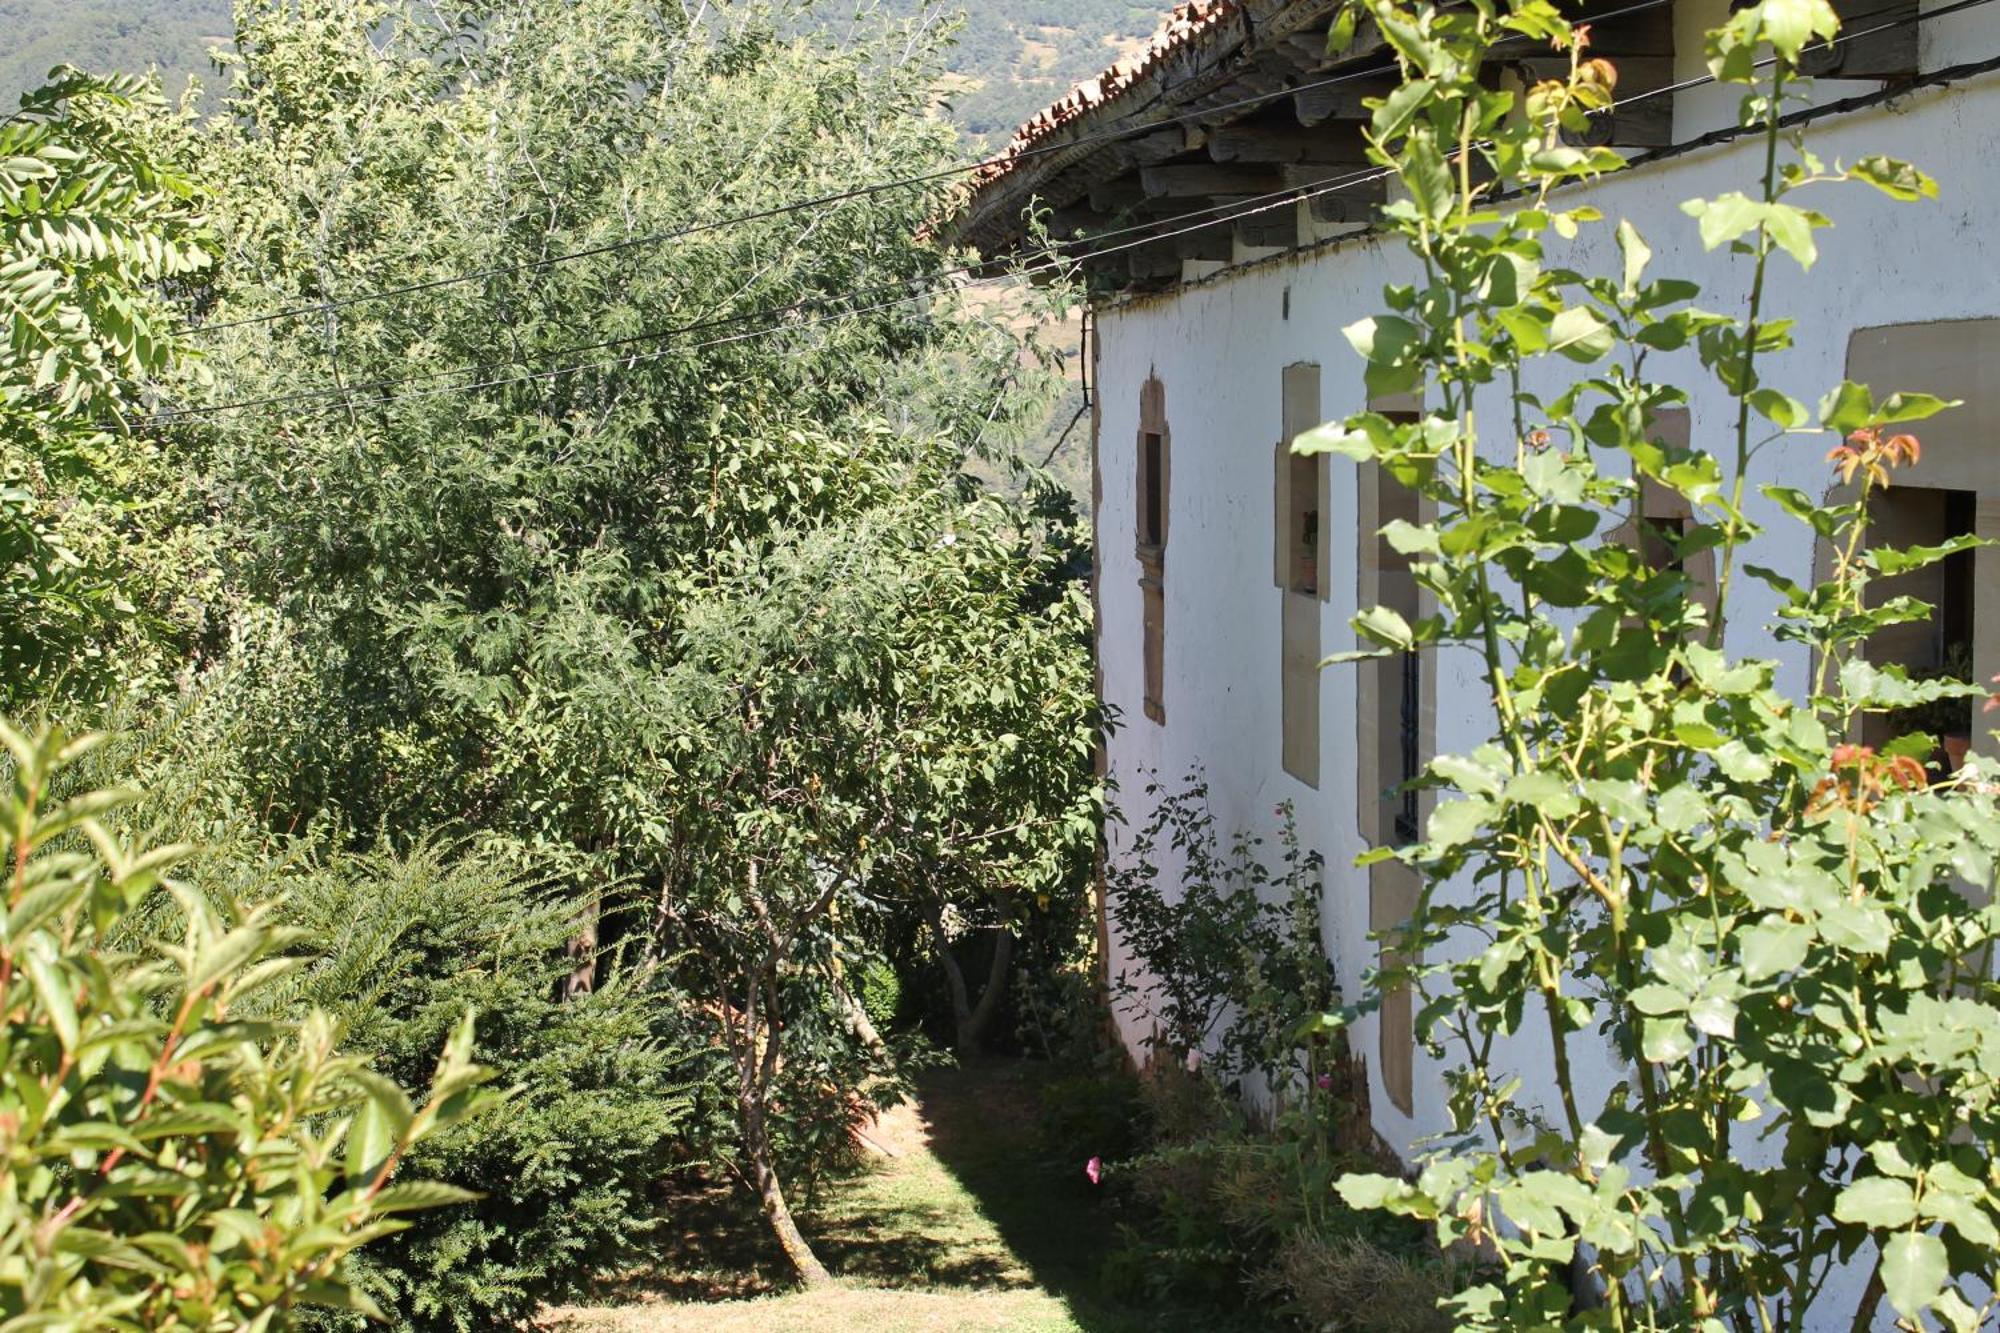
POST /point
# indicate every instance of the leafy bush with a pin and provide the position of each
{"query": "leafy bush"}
(98, 228)
(1219, 1210)
(569, 1174)
(175, 1163)
(1230, 961)
(1351, 1282)
(1678, 864)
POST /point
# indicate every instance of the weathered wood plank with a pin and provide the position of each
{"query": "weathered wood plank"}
(1887, 54)
(1340, 101)
(1334, 143)
(1202, 178)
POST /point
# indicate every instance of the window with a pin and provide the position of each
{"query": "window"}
(1397, 753)
(1396, 707)
(1299, 569)
(1150, 524)
(1953, 492)
(1302, 523)
(1153, 507)
(1939, 646)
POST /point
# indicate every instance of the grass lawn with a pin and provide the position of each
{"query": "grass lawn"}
(960, 1226)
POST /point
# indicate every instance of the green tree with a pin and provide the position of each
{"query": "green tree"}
(94, 227)
(661, 566)
(1658, 849)
(172, 1162)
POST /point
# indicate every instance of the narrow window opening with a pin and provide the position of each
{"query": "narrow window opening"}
(1304, 521)
(1299, 570)
(1154, 463)
(1153, 507)
(1401, 682)
(1940, 646)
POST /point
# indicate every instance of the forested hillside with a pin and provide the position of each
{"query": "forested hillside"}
(1012, 56)
(104, 35)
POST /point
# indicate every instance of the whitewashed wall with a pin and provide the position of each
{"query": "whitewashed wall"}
(1219, 347)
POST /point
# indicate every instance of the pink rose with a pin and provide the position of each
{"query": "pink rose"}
(1094, 1168)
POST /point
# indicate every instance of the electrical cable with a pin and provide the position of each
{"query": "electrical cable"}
(836, 197)
(1236, 211)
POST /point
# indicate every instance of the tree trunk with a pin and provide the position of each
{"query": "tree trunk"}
(971, 1022)
(771, 1195)
(582, 979)
(859, 1025)
(972, 1027)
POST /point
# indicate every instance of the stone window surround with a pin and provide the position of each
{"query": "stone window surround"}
(1954, 359)
(1393, 888)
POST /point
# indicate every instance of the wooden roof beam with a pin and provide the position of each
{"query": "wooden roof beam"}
(1334, 143)
(1341, 99)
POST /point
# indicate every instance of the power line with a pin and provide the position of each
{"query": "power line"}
(1234, 210)
(827, 200)
(343, 396)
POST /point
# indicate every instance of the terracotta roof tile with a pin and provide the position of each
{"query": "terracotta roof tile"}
(1187, 24)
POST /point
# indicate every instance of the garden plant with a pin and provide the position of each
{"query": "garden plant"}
(1783, 936)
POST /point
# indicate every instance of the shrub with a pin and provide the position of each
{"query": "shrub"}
(1351, 1282)
(568, 1175)
(172, 1162)
(1779, 939)
(1231, 964)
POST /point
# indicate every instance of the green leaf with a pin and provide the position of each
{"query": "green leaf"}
(1898, 180)
(371, 1138)
(52, 986)
(1848, 407)
(1456, 822)
(1714, 1015)
(1385, 340)
(1725, 218)
(1774, 945)
(1789, 24)
(1340, 34)
(1400, 107)
(1879, 1202)
(1383, 625)
(1965, 1216)
(1549, 793)
(1579, 334)
(1335, 438)
(1665, 1041)
(1657, 999)
(1901, 407)
(1359, 1191)
(1913, 1272)
(1637, 255)
(1780, 409)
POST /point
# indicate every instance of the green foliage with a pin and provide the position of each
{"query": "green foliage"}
(1229, 958)
(1777, 932)
(1009, 78)
(599, 1097)
(175, 1162)
(93, 227)
(665, 569)
(1218, 1210)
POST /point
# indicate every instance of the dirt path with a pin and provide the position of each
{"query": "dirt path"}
(957, 1225)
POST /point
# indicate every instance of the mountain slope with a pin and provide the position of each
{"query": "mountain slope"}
(104, 35)
(1013, 57)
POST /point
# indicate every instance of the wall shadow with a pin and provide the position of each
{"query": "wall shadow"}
(983, 1121)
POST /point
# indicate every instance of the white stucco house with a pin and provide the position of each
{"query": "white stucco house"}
(1228, 568)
